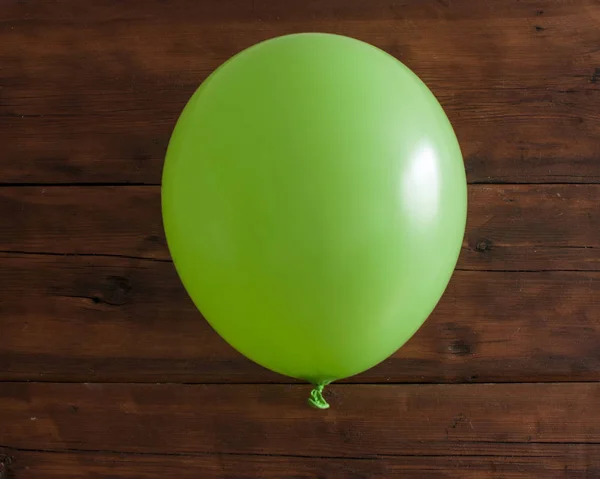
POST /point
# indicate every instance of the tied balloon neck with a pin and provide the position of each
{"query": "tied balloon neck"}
(316, 398)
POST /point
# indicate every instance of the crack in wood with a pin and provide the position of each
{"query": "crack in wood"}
(466, 445)
(86, 255)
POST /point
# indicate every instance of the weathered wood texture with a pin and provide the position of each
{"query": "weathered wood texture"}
(89, 94)
(510, 227)
(72, 318)
(274, 419)
(106, 305)
(91, 91)
(470, 461)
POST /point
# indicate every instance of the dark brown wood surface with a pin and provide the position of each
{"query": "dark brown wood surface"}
(468, 461)
(91, 92)
(107, 370)
(114, 319)
(367, 420)
(510, 227)
(170, 430)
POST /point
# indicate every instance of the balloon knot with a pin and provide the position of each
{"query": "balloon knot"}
(316, 399)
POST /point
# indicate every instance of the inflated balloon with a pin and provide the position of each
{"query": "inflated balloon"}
(314, 202)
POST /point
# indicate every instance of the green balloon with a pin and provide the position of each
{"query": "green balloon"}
(314, 202)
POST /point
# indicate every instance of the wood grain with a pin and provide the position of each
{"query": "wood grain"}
(78, 318)
(471, 461)
(510, 227)
(92, 311)
(275, 419)
(83, 220)
(519, 227)
(91, 91)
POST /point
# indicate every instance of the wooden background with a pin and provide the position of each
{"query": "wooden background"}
(108, 371)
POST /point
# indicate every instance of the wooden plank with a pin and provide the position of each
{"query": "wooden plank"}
(510, 227)
(532, 228)
(83, 220)
(492, 461)
(70, 318)
(275, 419)
(509, 73)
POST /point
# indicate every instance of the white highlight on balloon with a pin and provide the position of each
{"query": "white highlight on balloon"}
(421, 184)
